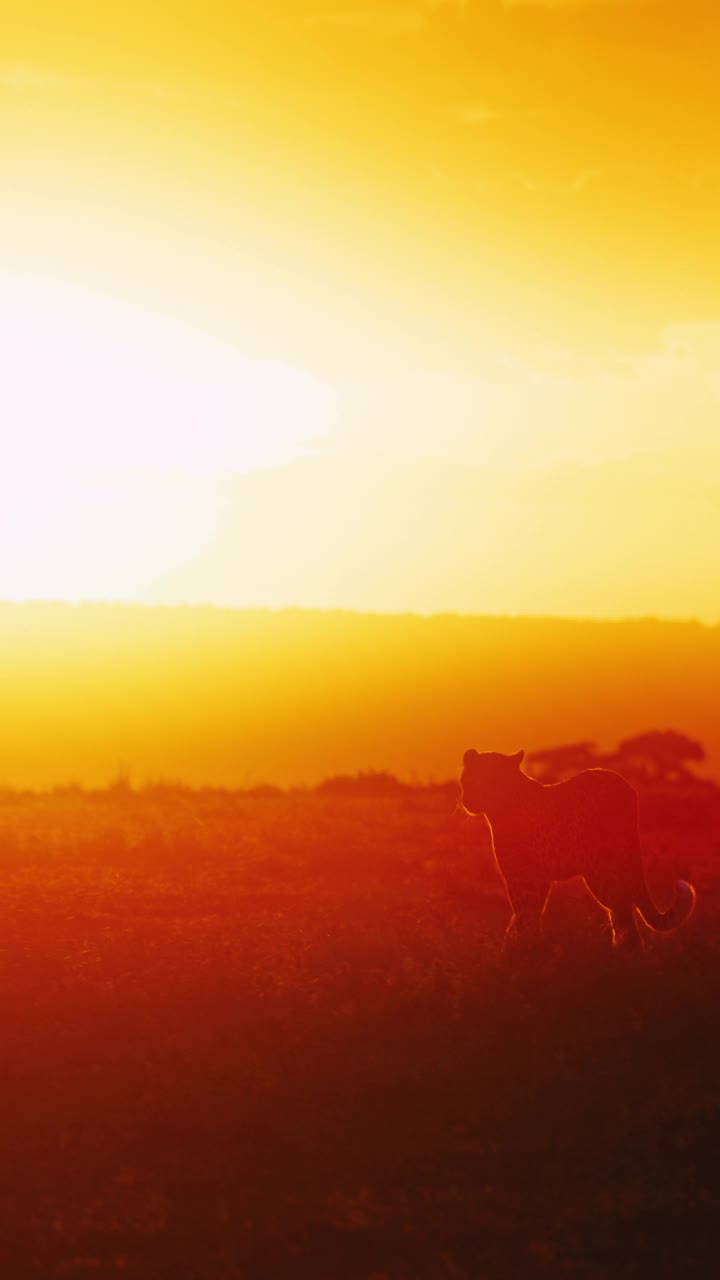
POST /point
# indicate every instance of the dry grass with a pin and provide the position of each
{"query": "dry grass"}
(276, 1035)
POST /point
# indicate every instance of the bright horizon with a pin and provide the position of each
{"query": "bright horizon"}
(279, 332)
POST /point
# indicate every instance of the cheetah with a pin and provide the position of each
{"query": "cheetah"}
(587, 826)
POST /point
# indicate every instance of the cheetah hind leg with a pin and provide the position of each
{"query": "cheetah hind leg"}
(613, 894)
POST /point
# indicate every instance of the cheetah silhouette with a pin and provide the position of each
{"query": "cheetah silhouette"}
(587, 826)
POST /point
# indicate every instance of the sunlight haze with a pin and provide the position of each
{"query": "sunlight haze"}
(351, 305)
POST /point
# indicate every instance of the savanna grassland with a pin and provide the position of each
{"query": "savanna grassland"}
(274, 1034)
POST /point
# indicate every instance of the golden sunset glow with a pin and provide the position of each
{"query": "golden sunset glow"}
(382, 306)
(359, 639)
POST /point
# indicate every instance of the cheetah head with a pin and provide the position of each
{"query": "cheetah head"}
(488, 776)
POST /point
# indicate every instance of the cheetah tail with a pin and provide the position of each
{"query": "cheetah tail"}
(665, 921)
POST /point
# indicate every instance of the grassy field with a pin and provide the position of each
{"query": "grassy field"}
(276, 1035)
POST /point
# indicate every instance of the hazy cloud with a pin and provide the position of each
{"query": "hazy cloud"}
(555, 407)
(383, 19)
(399, 20)
(573, 184)
(476, 113)
(573, 4)
(26, 78)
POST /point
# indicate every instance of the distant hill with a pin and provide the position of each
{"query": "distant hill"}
(240, 697)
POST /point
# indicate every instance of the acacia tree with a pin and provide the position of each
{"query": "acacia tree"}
(660, 755)
(554, 764)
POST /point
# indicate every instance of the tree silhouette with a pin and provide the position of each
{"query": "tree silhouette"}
(554, 764)
(655, 756)
(659, 756)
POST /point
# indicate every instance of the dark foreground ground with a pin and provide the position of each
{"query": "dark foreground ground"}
(276, 1036)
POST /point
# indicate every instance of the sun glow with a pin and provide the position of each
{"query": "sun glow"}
(121, 427)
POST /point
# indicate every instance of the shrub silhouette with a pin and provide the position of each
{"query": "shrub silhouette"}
(373, 783)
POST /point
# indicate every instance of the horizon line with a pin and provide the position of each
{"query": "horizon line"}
(349, 611)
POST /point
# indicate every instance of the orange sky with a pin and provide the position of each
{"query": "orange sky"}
(468, 253)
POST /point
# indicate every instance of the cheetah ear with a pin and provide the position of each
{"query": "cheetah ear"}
(518, 758)
(470, 757)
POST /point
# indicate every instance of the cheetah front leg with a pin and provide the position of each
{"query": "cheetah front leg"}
(527, 899)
